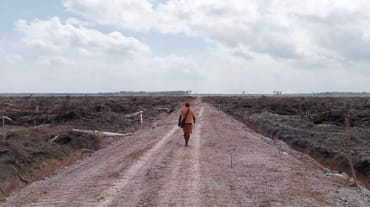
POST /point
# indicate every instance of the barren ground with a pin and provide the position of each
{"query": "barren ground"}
(153, 168)
(312, 125)
(41, 138)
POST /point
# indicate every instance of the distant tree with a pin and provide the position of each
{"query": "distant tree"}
(278, 93)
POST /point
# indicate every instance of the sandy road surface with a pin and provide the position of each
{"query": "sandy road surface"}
(153, 168)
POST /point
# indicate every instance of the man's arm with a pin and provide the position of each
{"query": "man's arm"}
(194, 119)
(179, 120)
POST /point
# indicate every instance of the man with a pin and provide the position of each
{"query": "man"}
(186, 120)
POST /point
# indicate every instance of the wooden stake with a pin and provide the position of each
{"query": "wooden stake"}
(231, 157)
(4, 132)
(231, 160)
(348, 145)
(141, 118)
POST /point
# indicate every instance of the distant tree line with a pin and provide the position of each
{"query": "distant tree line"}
(157, 93)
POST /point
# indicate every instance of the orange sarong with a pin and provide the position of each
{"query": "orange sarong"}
(188, 128)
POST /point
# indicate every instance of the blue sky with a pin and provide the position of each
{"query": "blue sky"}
(12, 10)
(203, 46)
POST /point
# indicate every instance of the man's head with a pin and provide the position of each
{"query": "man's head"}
(187, 105)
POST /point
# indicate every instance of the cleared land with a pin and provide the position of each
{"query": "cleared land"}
(41, 137)
(153, 168)
(313, 125)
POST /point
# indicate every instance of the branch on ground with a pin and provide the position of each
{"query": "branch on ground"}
(3, 191)
(107, 134)
(20, 176)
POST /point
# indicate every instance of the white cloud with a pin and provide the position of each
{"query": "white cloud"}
(133, 14)
(254, 45)
(341, 32)
(68, 56)
(274, 27)
(53, 37)
(14, 59)
(56, 74)
(53, 61)
(78, 22)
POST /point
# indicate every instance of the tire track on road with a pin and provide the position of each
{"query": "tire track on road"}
(112, 193)
(182, 188)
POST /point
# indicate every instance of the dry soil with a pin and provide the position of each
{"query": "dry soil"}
(153, 168)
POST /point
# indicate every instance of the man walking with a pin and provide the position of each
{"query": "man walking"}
(186, 120)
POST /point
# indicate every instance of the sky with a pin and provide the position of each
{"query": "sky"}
(206, 46)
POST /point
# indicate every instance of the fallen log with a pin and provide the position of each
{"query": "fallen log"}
(87, 150)
(3, 192)
(19, 164)
(107, 134)
(54, 139)
(364, 119)
(134, 114)
(164, 109)
(8, 104)
(10, 151)
(20, 176)
(83, 151)
(4, 150)
(86, 119)
(161, 108)
(11, 109)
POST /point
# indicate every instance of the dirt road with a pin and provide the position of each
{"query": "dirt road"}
(153, 168)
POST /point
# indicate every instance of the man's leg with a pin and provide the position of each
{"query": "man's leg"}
(187, 137)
